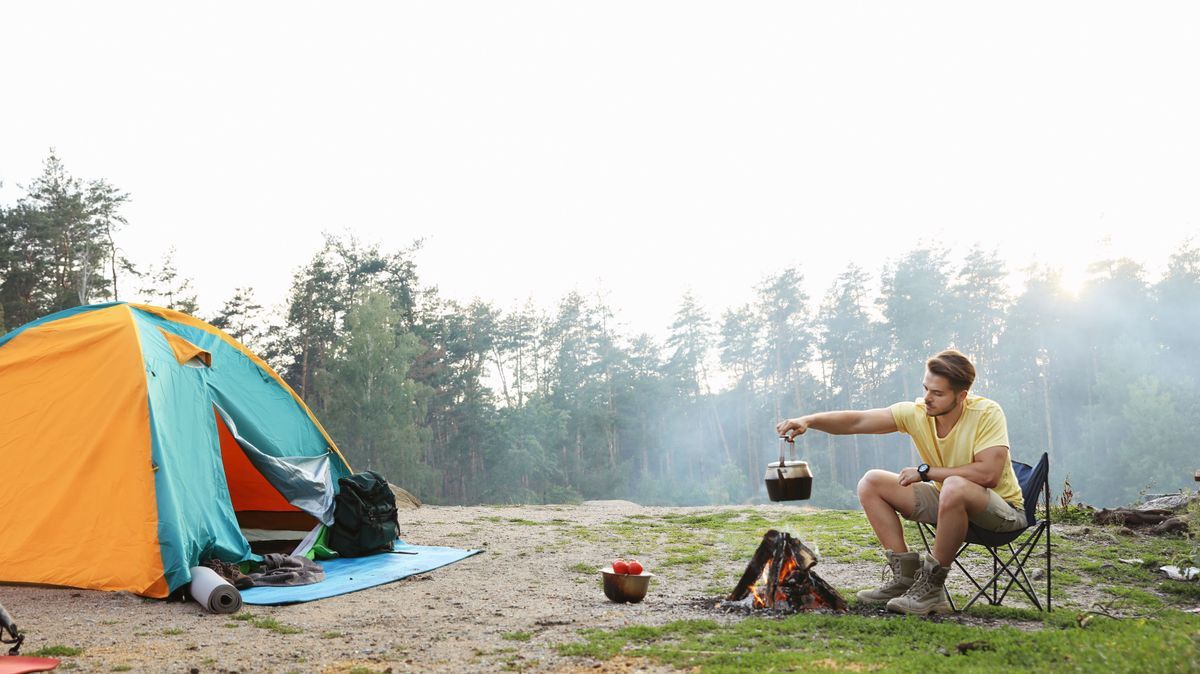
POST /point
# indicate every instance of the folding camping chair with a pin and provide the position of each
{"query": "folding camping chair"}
(1008, 563)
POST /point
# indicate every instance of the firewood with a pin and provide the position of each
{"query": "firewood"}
(1129, 517)
(799, 589)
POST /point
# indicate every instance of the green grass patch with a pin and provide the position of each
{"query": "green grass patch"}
(517, 636)
(1072, 514)
(121, 668)
(331, 635)
(906, 644)
(691, 559)
(1187, 591)
(172, 631)
(583, 568)
(56, 652)
(275, 626)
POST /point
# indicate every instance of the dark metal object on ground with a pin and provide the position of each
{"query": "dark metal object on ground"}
(8, 626)
(785, 564)
(626, 587)
(788, 480)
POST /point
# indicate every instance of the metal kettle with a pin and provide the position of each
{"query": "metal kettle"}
(788, 480)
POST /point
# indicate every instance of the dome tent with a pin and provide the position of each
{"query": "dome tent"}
(138, 441)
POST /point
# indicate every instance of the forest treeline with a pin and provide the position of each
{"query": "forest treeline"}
(470, 403)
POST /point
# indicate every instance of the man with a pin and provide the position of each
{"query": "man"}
(965, 476)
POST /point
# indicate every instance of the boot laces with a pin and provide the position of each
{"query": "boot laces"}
(889, 568)
(922, 583)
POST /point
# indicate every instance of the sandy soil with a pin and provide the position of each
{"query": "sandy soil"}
(505, 609)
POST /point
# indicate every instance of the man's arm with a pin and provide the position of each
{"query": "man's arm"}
(850, 422)
(984, 471)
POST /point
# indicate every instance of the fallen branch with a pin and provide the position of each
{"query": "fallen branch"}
(1129, 517)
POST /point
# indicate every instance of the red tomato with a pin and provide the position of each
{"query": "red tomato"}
(635, 567)
(620, 566)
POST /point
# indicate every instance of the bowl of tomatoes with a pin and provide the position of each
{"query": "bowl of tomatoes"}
(626, 581)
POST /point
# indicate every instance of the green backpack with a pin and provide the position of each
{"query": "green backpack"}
(364, 516)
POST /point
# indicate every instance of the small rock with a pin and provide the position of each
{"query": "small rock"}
(1176, 573)
(1169, 502)
(1037, 574)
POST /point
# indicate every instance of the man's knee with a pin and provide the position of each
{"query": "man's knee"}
(955, 490)
(870, 483)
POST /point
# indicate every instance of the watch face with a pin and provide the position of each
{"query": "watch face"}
(923, 468)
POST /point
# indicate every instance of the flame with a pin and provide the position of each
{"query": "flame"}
(758, 589)
(759, 600)
(786, 569)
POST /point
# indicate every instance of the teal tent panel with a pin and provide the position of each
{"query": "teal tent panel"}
(267, 415)
(195, 517)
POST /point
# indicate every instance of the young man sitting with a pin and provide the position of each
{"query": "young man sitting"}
(965, 476)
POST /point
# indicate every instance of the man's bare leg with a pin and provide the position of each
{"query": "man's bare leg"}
(960, 498)
(881, 496)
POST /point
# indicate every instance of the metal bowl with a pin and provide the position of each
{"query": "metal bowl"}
(625, 587)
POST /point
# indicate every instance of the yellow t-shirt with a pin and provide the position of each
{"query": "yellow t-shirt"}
(981, 425)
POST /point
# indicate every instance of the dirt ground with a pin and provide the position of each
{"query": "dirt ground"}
(505, 609)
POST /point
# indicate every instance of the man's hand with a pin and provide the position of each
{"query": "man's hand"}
(909, 476)
(788, 429)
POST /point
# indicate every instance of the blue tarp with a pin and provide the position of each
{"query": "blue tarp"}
(358, 573)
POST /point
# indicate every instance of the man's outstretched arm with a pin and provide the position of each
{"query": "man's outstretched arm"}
(850, 422)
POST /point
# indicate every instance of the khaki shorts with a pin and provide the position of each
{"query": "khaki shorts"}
(999, 516)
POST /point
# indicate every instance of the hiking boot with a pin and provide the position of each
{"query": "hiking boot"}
(927, 594)
(904, 567)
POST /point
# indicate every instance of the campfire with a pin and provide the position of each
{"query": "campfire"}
(780, 577)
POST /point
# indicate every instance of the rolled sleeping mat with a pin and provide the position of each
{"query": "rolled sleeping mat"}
(214, 592)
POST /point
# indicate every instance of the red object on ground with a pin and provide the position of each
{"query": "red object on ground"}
(635, 567)
(619, 566)
(19, 664)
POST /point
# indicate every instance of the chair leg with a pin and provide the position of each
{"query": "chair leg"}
(1017, 559)
(1049, 575)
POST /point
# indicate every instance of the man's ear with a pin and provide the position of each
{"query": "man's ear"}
(962, 396)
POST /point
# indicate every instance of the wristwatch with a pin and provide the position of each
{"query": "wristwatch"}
(923, 470)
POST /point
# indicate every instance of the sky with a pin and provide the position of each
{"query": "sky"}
(639, 150)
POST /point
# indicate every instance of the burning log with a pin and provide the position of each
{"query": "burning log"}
(780, 577)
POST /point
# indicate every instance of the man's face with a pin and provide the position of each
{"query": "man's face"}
(939, 397)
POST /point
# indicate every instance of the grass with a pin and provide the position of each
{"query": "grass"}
(264, 623)
(172, 631)
(517, 636)
(905, 644)
(56, 652)
(1149, 633)
(582, 568)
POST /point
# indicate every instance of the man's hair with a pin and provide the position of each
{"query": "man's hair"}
(955, 367)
